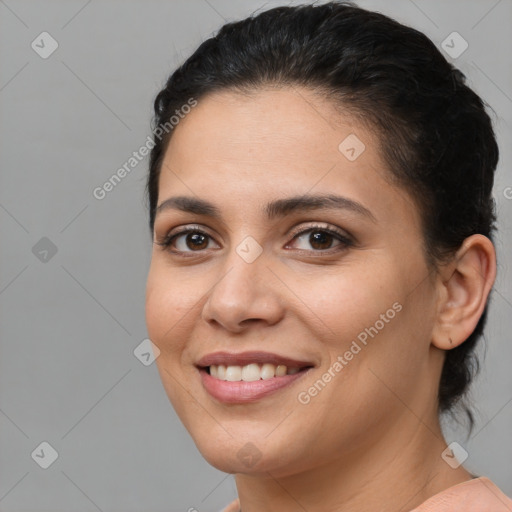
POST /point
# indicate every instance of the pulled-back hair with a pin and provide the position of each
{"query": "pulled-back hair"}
(435, 135)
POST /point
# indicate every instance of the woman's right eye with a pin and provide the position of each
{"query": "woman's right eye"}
(193, 240)
(187, 240)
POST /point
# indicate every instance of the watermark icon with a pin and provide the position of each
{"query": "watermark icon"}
(45, 455)
(304, 397)
(454, 45)
(507, 192)
(248, 249)
(101, 192)
(44, 45)
(146, 352)
(44, 250)
(454, 455)
(249, 454)
(351, 147)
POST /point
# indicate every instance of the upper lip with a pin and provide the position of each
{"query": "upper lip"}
(245, 358)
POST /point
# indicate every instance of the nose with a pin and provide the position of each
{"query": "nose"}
(246, 293)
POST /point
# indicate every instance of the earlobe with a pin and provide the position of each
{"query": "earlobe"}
(465, 284)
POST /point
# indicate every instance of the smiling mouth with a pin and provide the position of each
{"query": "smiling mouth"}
(251, 372)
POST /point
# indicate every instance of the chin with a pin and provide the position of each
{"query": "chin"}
(246, 459)
(240, 454)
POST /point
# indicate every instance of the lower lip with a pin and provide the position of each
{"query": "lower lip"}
(241, 392)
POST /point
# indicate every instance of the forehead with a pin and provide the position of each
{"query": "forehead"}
(245, 148)
(265, 126)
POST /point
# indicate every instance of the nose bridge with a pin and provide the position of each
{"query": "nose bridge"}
(242, 272)
(241, 292)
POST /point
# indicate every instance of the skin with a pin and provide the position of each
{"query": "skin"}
(370, 440)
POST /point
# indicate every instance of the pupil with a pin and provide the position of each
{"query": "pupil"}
(195, 238)
(320, 238)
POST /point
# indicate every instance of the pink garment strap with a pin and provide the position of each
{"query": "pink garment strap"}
(476, 495)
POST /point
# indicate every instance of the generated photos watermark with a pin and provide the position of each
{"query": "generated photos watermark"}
(305, 397)
(101, 192)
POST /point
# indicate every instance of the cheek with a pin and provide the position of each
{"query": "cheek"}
(384, 320)
(374, 316)
(170, 298)
(348, 301)
(165, 322)
(166, 310)
(158, 310)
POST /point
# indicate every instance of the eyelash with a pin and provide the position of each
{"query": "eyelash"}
(345, 241)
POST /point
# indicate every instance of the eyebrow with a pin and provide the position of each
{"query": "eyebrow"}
(273, 209)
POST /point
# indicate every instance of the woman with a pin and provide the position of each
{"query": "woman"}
(322, 218)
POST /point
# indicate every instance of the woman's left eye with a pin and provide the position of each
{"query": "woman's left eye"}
(320, 238)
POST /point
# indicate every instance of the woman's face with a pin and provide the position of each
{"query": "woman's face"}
(338, 290)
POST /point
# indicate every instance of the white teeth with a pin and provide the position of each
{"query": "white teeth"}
(250, 372)
(268, 371)
(233, 373)
(221, 372)
(281, 370)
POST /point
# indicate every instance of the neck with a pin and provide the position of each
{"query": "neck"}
(395, 473)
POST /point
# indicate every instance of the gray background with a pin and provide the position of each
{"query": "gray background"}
(69, 325)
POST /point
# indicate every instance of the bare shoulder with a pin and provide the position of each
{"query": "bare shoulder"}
(234, 506)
